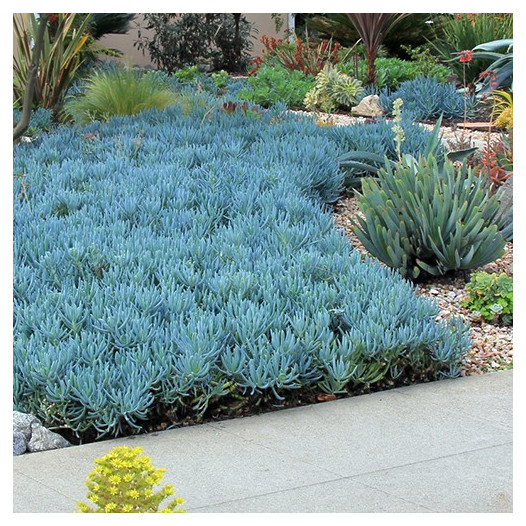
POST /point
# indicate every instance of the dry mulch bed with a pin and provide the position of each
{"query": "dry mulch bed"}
(492, 345)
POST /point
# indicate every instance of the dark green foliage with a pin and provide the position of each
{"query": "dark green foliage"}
(110, 24)
(213, 40)
(410, 30)
(422, 220)
(172, 260)
(391, 72)
(499, 74)
(277, 84)
(426, 98)
(491, 296)
(452, 34)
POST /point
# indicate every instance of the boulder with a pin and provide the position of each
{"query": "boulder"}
(19, 443)
(43, 439)
(22, 424)
(30, 435)
(368, 107)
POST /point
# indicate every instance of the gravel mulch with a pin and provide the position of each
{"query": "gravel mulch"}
(492, 345)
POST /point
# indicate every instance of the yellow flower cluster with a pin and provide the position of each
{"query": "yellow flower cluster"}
(122, 482)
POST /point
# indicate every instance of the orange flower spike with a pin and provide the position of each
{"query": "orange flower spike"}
(466, 56)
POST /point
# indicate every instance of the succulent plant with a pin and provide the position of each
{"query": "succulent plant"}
(333, 90)
(421, 219)
(123, 482)
(176, 258)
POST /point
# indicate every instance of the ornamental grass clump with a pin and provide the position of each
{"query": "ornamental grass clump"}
(424, 220)
(119, 92)
(123, 482)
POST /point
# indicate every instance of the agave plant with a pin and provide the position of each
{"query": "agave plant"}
(424, 221)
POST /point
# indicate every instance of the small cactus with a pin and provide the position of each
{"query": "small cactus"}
(122, 482)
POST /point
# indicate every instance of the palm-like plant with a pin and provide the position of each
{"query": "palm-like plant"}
(372, 28)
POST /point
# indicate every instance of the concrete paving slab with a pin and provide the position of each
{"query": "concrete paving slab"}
(205, 464)
(471, 482)
(338, 496)
(371, 432)
(387, 451)
(33, 497)
(487, 400)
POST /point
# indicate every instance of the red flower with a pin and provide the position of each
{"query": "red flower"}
(466, 56)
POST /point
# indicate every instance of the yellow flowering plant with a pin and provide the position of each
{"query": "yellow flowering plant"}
(123, 481)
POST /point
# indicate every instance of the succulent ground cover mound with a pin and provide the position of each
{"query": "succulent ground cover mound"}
(171, 262)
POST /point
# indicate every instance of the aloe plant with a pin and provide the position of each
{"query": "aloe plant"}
(422, 220)
(501, 69)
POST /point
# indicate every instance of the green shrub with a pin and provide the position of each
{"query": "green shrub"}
(119, 92)
(391, 72)
(277, 84)
(333, 90)
(491, 296)
(217, 40)
(123, 481)
(423, 220)
(463, 31)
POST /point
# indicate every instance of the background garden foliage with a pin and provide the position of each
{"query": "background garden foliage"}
(171, 259)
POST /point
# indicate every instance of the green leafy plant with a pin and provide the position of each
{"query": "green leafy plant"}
(490, 296)
(392, 71)
(499, 74)
(60, 60)
(425, 221)
(119, 92)
(220, 79)
(277, 84)
(333, 90)
(216, 40)
(188, 74)
(123, 482)
(463, 31)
